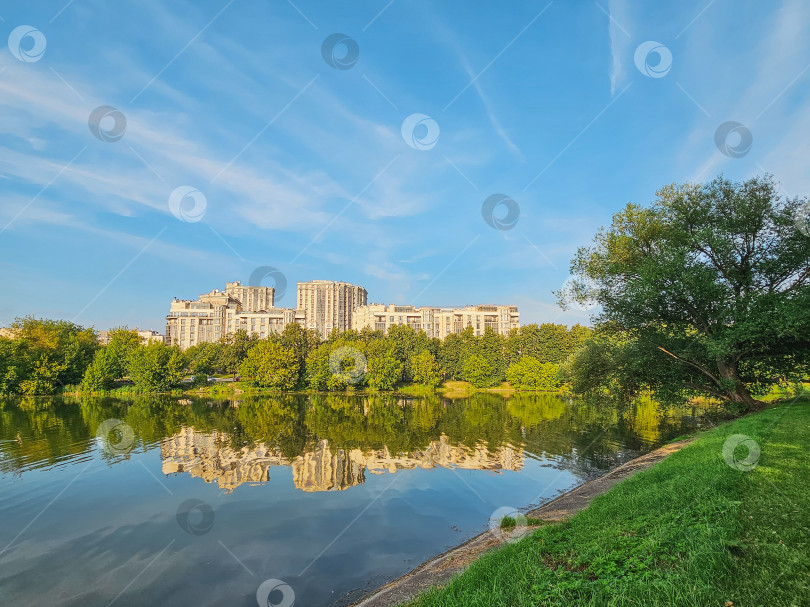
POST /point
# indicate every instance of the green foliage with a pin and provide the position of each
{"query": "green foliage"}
(710, 283)
(425, 369)
(404, 355)
(121, 342)
(100, 375)
(270, 365)
(44, 355)
(384, 369)
(531, 374)
(234, 350)
(334, 365)
(479, 372)
(155, 367)
(690, 531)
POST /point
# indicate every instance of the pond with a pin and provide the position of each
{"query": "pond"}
(158, 500)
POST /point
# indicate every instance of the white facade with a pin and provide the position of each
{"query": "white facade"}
(438, 322)
(219, 313)
(330, 305)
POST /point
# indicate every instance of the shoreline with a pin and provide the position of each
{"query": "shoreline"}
(438, 570)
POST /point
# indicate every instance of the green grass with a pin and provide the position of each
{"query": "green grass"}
(690, 531)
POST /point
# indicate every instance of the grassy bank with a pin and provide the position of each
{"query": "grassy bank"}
(691, 531)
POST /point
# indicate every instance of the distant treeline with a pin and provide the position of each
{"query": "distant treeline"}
(49, 356)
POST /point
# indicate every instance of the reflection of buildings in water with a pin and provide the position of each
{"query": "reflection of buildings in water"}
(208, 456)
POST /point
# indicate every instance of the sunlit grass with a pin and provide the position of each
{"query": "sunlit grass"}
(691, 531)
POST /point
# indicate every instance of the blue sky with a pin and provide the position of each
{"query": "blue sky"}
(304, 167)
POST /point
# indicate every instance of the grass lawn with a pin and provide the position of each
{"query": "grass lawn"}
(692, 530)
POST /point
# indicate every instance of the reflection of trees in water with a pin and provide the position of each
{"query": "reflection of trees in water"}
(585, 436)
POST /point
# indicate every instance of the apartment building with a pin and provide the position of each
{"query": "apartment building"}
(218, 313)
(438, 322)
(330, 305)
(322, 305)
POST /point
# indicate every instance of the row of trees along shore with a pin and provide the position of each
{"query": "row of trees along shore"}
(49, 356)
(704, 291)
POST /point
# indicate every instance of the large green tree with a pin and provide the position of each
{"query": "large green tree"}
(425, 369)
(270, 365)
(710, 285)
(155, 367)
(531, 374)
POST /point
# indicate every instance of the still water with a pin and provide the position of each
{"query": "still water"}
(167, 501)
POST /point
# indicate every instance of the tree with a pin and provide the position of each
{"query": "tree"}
(155, 367)
(300, 340)
(384, 370)
(13, 365)
(492, 346)
(479, 372)
(236, 346)
(100, 375)
(334, 365)
(711, 284)
(270, 365)
(425, 369)
(121, 341)
(204, 359)
(49, 354)
(454, 351)
(531, 374)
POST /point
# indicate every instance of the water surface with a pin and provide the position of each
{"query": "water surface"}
(199, 501)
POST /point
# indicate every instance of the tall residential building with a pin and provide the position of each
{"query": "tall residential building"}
(218, 313)
(438, 322)
(329, 304)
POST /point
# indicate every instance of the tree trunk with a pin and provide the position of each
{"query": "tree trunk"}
(738, 394)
